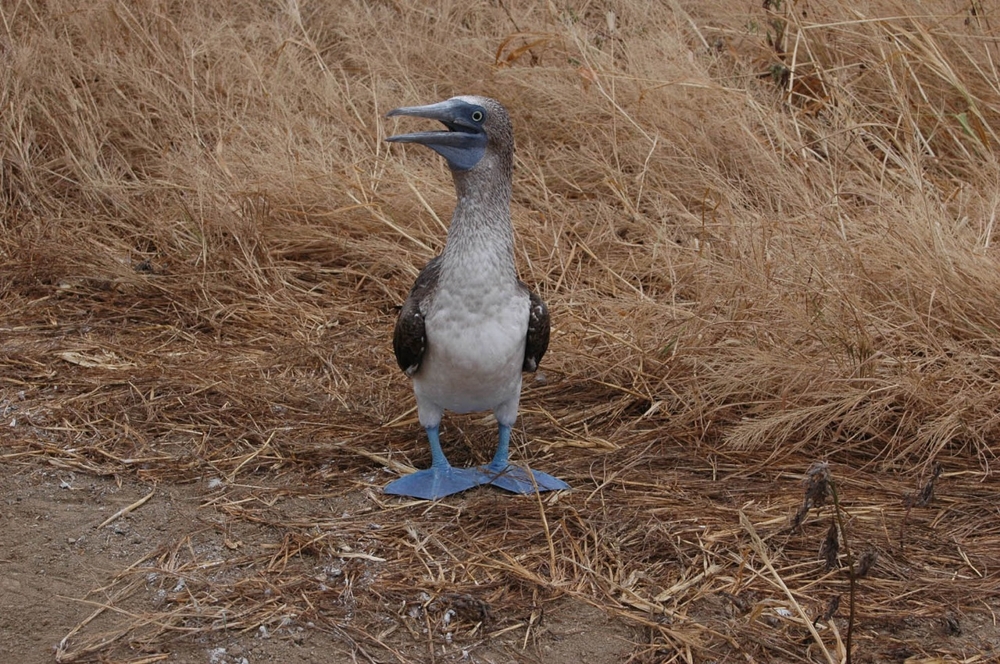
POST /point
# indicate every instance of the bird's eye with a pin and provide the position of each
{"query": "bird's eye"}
(477, 116)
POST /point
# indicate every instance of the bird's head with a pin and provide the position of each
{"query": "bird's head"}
(474, 127)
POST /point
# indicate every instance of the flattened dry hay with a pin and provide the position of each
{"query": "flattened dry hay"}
(766, 237)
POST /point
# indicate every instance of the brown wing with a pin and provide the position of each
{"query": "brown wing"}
(409, 339)
(538, 332)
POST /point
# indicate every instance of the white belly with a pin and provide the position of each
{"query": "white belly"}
(475, 350)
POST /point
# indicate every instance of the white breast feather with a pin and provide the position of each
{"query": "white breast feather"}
(476, 325)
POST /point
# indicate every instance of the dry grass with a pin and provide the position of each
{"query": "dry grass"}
(766, 236)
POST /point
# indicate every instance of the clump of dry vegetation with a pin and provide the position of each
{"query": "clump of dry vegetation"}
(766, 235)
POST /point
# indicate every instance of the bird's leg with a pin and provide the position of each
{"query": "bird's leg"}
(438, 481)
(500, 458)
(500, 473)
(438, 459)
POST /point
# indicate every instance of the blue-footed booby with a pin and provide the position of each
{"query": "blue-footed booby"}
(469, 326)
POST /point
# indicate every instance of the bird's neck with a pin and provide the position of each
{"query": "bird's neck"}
(481, 236)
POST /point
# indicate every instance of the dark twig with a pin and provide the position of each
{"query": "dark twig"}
(850, 568)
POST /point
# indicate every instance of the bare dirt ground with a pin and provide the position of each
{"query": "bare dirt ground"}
(57, 562)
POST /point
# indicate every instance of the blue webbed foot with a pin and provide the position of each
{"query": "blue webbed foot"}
(519, 480)
(513, 478)
(438, 481)
(434, 483)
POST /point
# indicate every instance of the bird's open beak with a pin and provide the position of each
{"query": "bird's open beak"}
(462, 144)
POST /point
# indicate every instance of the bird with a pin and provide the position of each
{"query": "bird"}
(470, 326)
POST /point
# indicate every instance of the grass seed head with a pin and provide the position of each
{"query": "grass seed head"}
(829, 550)
(925, 495)
(831, 609)
(817, 484)
(865, 563)
(817, 489)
